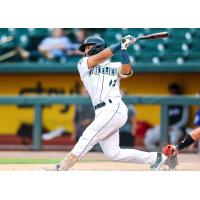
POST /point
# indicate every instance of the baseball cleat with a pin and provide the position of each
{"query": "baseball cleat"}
(171, 152)
(160, 161)
(172, 162)
(54, 168)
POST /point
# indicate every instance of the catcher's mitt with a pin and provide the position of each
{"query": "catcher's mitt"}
(171, 153)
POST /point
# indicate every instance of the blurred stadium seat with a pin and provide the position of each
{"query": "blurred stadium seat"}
(182, 46)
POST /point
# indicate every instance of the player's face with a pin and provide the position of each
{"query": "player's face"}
(87, 48)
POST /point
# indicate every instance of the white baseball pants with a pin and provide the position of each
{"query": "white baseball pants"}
(105, 131)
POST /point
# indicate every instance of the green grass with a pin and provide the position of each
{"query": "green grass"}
(38, 160)
(29, 160)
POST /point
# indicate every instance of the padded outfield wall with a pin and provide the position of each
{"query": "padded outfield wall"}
(141, 83)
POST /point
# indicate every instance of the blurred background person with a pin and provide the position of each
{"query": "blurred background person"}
(84, 115)
(178, 119)
(196, 124)
(55, 46)
(127, 132)
(80, 35)
(53, 134)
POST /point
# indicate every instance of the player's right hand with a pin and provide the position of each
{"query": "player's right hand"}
(127, 41)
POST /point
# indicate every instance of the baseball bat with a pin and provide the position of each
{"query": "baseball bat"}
(160, 35)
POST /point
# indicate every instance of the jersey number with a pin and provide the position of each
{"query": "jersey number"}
(112, 83)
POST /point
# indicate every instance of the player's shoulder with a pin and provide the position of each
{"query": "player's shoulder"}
(83, 66)
(81, 61)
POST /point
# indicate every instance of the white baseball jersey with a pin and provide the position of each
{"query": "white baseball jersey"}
(101, 81)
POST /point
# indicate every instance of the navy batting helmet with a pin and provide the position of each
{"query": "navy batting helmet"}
(97, 42)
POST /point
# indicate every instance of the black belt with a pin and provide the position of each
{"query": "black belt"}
(102, 104)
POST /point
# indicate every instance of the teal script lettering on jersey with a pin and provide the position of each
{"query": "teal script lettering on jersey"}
(103, 70)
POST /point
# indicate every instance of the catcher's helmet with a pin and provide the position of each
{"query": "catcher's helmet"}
(97, 42)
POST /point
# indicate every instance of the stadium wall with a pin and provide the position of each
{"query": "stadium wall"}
(15, 84)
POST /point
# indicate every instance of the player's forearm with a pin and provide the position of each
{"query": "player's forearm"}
(195, 134)
(103, 55)
(126, 64)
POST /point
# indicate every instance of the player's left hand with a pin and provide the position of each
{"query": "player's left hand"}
(127, 41)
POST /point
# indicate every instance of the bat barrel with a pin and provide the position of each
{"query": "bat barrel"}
(160, 35)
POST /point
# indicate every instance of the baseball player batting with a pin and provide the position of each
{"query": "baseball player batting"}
(102, 80)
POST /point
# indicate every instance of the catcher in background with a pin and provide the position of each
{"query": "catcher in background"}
(172, 150)
(189, 139)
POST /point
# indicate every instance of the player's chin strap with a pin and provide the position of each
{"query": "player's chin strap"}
(67, 162)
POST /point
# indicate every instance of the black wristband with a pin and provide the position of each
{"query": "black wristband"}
(188, 140)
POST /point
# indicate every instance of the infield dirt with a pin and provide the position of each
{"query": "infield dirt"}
(94, 161)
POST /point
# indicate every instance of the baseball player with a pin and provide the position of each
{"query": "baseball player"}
(172, 150)
(194, 135)
(102, 81)
(189, 139)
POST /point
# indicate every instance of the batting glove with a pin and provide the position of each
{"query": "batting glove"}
(127, 41)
